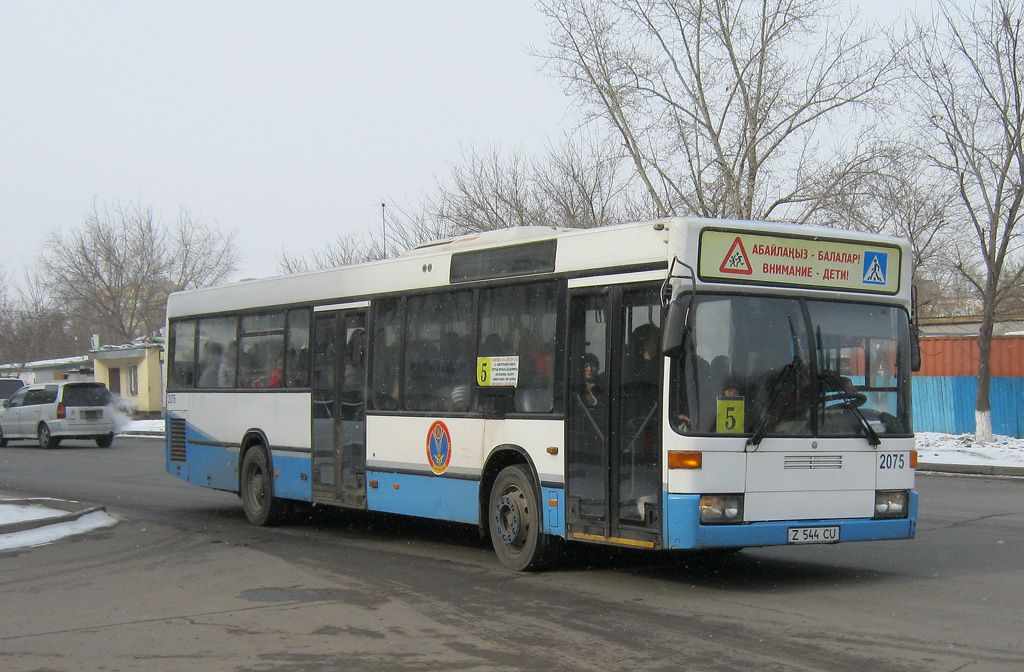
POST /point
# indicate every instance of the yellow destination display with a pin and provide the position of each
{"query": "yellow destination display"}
(734, 256)
(730, 415)
(497, 371)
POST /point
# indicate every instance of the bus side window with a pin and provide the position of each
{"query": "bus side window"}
(521, 321)
(297, 365)
(386, 342)
(438, 360)
(181, 372)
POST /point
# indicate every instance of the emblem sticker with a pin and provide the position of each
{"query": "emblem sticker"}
(439, 447)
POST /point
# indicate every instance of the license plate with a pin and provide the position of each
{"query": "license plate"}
(814, 535)
(92, 415)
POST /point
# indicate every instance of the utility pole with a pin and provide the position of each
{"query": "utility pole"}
(384, 227)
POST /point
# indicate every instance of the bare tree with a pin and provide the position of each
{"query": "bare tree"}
(344, 251)
(114, 274)
(31, 327)
(970, 64)
(577, 184)
(722, 107)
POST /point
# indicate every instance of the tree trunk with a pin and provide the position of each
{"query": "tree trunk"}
(982, 405)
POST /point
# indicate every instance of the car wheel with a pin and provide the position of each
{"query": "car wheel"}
(45, 440)
(3, 439)
(105, 441)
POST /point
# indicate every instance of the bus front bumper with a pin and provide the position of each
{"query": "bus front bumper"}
(683, 529)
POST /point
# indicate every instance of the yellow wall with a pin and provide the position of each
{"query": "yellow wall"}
(148, 399)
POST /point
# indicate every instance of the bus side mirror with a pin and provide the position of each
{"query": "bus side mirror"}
(915, 351)
(676, 331)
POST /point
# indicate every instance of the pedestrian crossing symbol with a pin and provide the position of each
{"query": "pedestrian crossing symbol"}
(876, 265)
(736, 260)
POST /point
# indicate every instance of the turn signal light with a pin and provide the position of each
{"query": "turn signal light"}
(680, 459)
(913, 459)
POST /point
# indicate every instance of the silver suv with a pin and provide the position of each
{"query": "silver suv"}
(55, 411)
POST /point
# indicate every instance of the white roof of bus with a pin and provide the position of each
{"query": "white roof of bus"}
(428, 265)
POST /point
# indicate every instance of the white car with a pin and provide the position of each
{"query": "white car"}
(54, 411)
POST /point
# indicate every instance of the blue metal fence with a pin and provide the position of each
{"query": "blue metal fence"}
(946, 404)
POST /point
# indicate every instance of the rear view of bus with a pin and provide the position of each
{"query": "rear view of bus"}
(788, 389)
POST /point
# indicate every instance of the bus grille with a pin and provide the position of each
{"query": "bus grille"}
(814, 462)
(177, 429)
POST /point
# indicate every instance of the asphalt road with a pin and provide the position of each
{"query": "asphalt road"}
(183, 582)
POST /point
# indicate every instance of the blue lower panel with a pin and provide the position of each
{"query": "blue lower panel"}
(291, 477)
(424, 496)
(683, 528)
(213, 466)
(554, 513)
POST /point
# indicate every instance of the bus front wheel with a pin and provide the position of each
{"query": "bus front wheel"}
(514, 517)
(257, 488)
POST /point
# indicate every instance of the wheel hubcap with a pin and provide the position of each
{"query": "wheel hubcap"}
(508, 516)
(257, 489)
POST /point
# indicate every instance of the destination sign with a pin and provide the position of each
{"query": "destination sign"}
(733, 256)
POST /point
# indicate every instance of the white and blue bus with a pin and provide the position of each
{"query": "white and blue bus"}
(674, 384)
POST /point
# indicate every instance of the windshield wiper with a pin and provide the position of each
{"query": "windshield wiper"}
(832, 382)
(784, 383)
(786, 377)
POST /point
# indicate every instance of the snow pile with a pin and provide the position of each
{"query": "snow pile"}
(48, 533)
(935, 448)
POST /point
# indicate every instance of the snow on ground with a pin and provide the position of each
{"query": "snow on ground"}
(142, 427)
(932, 448)
(48, 533)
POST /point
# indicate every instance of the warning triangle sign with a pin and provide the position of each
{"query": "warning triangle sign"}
(736, 260)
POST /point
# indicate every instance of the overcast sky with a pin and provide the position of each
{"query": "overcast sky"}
(288, 122)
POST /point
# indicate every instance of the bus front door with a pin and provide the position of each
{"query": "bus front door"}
(338, 398)
(613, 416)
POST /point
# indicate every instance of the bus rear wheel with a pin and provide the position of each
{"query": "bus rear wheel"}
(257, 488)
(514, 515)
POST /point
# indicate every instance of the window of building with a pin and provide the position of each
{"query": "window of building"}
(132, 375)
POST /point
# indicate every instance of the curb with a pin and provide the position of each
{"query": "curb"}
(971, 469)
(72, 511)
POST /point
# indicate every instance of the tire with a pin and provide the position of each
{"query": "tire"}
(515, 521)
(105, 441)
(256, 487)
(45, 439)
(3, 439)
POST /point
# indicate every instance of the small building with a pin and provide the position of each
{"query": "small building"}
(48, 370)
(132, 372)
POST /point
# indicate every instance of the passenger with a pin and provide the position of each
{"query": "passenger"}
(644, 347)
(275, 375)
(593, 392)
(210, 364)
(226, 372)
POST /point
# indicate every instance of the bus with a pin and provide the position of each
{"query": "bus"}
(672, 384)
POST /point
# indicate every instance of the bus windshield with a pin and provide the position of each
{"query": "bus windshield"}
(775, 366)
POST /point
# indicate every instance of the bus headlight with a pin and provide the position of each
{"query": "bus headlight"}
(721, 509)
(891, 503)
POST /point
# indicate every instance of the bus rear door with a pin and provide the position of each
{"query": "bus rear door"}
(339, 408)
